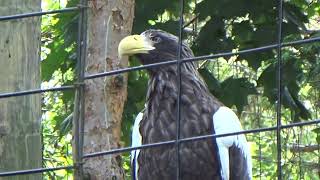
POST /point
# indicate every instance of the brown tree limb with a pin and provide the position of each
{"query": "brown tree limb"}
(303, 148)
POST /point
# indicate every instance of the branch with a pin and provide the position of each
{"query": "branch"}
(301, 25)
(303, 148)
(309, 165)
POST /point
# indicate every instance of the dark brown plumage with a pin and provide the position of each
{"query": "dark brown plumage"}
(198, 161)
(210, 159)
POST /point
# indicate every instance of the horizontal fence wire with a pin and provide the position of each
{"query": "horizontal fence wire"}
(34, 171)
(129, 69)
(152, 145)
(197, 138)
(33, 14)
(36, 91)
(171, 62)
(199, 58)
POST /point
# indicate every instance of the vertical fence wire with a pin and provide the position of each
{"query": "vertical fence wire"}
(78, 120)
(317, 96)
(258, 114)
(181, 21)
(78, 115)
(260, 146)
(279, 87)
(300, 135)
(82, 73)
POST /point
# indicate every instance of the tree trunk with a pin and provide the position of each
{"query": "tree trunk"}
(20, 117)
(108, 22)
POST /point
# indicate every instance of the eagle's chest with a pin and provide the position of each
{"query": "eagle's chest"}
(160, 117)
(159, 124)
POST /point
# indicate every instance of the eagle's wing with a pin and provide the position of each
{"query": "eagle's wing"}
(234, 152)
(136, 141)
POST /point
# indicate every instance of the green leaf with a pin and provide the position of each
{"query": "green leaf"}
(235, 91)
(212, 83)
(317, 131)
(291, 75)
(212, 38)
(65, 126)
(137, 87)
(225, 91)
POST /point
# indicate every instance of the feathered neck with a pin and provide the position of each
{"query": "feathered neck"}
(163, 83)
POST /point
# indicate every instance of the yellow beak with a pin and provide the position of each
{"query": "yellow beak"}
(135, 44)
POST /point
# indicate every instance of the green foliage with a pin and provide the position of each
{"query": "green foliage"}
(59, 36)
(224, 28)
(243, 87)
(292, 74)
(57, 69)
(158, 15)
(137, 83)
(225, 90)
(317, 131)
(246, 82)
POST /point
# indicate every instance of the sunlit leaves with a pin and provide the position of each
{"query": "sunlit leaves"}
(291, 78)
(222, 26)
(57, 69)
(231, 91)
(236, 91)
(213, 38)
(225, 26)
(317, 131)
(213, 84)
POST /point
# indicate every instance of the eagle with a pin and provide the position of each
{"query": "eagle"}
(221, 158)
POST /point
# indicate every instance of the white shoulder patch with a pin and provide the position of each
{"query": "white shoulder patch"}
(136, 140)
(226, 121)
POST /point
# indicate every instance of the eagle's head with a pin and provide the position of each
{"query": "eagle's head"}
(153, 46)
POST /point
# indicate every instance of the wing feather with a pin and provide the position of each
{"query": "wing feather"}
(234, 150)
(136, 140)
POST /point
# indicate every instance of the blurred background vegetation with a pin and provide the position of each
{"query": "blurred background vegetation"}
(246, 83)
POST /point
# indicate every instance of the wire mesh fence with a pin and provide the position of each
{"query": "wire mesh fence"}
(78, 119)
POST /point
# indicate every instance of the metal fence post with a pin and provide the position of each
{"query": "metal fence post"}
(78, 114)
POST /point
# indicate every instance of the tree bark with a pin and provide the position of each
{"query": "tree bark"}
(108, 22)
(20, 117)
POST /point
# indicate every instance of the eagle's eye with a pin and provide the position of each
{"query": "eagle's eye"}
(155, 39)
